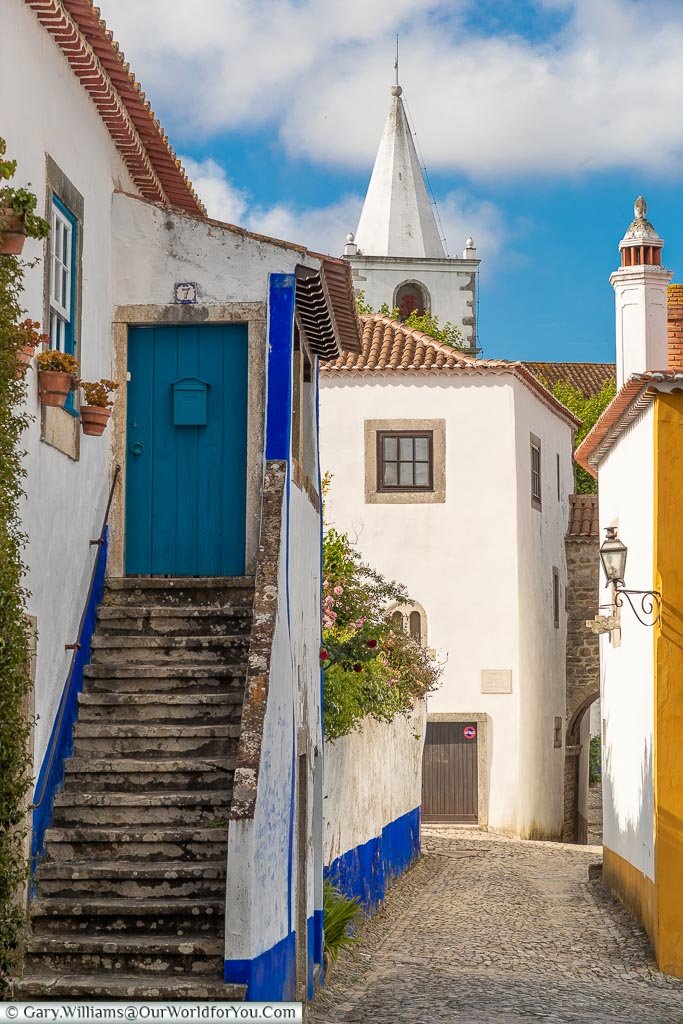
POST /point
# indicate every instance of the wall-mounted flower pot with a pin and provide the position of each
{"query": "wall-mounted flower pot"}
(54, 387)
(24, 356)
(12, 233)
(94, 419)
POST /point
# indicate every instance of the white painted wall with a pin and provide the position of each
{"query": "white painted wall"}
(542, 647)
(626, 482)
(444, 280)
(473, 562)
(50, 113)
(372, 777)
(227, 265)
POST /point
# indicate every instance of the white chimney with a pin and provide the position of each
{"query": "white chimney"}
(640, 286)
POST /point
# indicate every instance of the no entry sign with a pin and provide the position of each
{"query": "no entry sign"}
(469, 732)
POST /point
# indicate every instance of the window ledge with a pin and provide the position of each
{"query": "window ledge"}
(61, 429)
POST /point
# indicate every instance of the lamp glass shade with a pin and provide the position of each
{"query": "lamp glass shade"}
(613, 557)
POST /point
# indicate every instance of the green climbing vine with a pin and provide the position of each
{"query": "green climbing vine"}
(15, 726)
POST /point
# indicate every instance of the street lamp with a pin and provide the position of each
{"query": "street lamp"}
(613, 557)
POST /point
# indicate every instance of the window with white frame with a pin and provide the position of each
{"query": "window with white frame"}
(62, 278)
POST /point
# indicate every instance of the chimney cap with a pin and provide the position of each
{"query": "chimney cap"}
(640, 231)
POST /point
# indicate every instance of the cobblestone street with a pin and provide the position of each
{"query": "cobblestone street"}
(487, 930)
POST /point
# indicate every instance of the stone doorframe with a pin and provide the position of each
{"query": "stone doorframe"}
(251, 313)
(482, 720)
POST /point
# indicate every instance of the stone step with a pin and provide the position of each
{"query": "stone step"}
(193, 591)
(142, 774)
(130, 740)
(154, 843)
(179, 708)
(161, 808)
(133, 916)
(172, 954)
(131, 879)
(106, 985)
(162, 621)
(206, 678)
(167, 650)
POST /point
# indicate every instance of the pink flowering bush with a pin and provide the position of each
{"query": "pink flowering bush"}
(371, 666)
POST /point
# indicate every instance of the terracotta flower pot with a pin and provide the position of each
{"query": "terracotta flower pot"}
(12, 233)
(54, 387)
(94, 419)
(24, 357)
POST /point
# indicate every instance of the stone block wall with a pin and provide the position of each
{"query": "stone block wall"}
(583, 664)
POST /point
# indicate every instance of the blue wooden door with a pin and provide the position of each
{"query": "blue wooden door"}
(186, 457)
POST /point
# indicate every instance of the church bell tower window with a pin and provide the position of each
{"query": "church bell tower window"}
(409, 298)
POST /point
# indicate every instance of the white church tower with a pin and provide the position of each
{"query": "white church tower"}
(398, 255)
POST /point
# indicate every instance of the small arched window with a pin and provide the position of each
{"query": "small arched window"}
(409, 298)
(416, 626)
(397, 620)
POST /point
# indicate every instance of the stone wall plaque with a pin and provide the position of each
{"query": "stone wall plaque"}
(496, 680)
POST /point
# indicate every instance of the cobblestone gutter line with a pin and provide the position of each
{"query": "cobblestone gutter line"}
(490, 930)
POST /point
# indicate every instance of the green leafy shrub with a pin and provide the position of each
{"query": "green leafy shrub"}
(594, 762)
(21, 201)
(371, 667)
(15, 727)
(340, 914)
(588, 410)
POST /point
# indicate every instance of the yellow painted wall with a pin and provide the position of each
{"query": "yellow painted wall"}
(668, 562)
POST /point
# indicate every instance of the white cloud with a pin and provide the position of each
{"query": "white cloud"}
(324, 228)
(603, 93)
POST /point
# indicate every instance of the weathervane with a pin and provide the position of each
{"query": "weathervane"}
(396, 64)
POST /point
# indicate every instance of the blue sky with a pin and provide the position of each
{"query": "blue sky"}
(540, 121)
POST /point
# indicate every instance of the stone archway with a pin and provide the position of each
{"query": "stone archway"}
(583, 654)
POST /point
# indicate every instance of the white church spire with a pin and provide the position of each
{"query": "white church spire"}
(397, 217)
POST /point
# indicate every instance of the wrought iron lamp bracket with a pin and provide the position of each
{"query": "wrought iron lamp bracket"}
(650, 604)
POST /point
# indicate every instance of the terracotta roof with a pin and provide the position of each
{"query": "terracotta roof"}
(628, 403)
(389, 348)
(98, 63)
(587, 377)
(583, 516)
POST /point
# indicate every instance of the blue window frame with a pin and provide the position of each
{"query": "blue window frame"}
(63, 278)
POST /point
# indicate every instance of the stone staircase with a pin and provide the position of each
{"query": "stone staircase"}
(130, 897)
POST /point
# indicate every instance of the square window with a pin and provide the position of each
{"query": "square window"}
(405, 461)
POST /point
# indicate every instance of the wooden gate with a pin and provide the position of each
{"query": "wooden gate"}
(449, 773)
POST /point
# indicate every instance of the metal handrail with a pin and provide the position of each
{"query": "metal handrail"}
(75, 647)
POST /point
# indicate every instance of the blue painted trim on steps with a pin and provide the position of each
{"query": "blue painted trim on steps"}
(53, 775)
(367, 871)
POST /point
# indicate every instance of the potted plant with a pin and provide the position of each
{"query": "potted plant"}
(29, 337)
(57, 376)
(18, 219)
(96, 410)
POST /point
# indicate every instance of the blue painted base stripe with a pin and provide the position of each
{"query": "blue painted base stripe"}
(51, 775)
(272, 975)
(367, 871)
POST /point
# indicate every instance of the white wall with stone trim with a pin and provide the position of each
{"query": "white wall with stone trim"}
(626, 690)
(474, 561)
